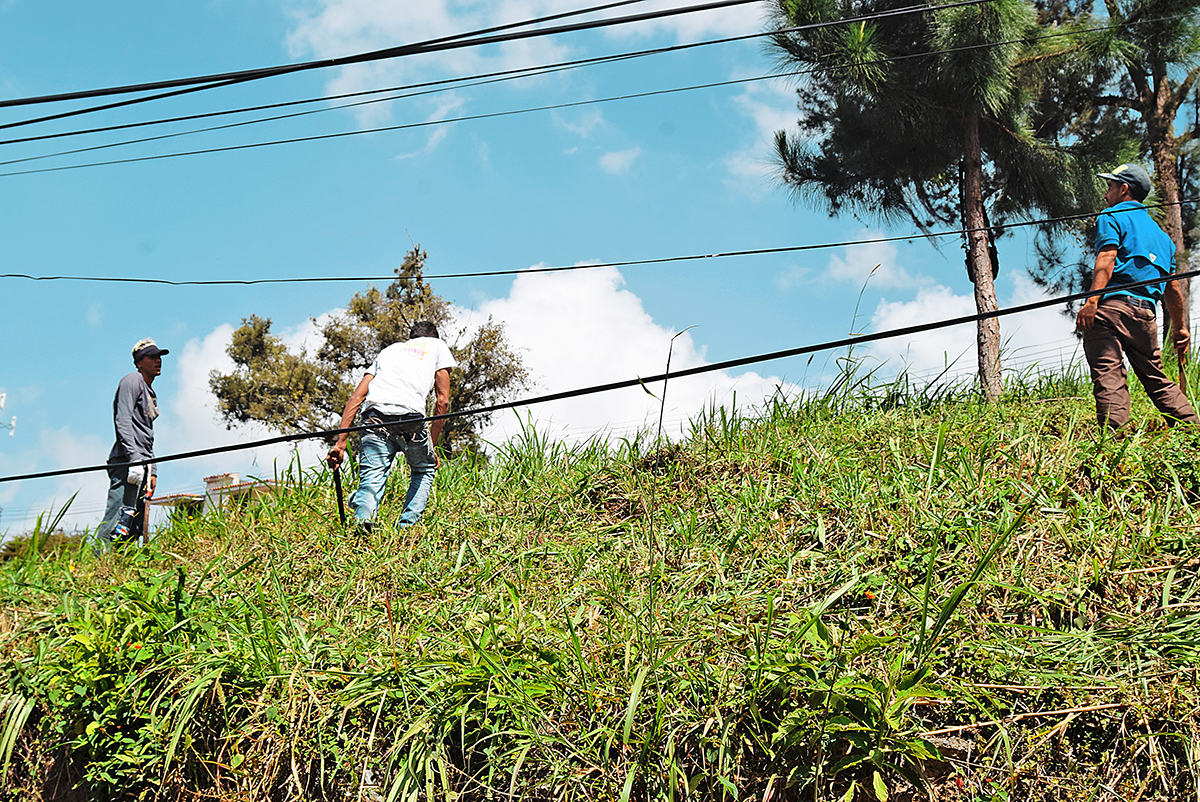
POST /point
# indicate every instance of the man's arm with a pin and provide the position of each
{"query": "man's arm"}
(1106, 260)
(353, 403)
(1173, 301)
(441, 402)
(125, 405)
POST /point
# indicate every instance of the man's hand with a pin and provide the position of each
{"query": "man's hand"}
(1087, 314)
(150, 486)
(336, 455)
(1183, 339)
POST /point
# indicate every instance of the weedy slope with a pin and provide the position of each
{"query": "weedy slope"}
(880, 593)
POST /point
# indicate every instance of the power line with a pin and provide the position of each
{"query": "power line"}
(457, 41)
(466, 118)
(233, 81)
(506, 75)
(566, 268)
(517, 73)
(641, 381)
(343, 134)
(528, 72)
(466, 81)
(512, 74)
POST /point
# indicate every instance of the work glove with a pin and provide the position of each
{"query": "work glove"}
(136, 474)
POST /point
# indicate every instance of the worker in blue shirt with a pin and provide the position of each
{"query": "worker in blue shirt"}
(1130, 247)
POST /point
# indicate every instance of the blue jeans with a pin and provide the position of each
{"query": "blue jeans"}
(375, 460)
(120, 494)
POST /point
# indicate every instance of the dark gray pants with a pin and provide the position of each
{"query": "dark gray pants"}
(1122, 328)
(120, 494)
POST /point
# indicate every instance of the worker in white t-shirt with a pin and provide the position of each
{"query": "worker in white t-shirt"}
(392, 395)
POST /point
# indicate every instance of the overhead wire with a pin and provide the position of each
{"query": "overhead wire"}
(520, 72)
(423, 124)
(1018, 361)
(454, 42)
(589, 266)
(446, 85)
(234, 81)
(639, 381)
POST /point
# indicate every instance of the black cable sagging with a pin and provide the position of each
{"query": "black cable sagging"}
(454, 42)
(626, 383)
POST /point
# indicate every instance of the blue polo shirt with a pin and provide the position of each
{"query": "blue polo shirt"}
(1144, 251)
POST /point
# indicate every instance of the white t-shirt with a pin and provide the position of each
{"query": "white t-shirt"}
(403, 375)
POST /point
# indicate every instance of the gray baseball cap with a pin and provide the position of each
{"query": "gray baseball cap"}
(1137, 179)
(147, 347)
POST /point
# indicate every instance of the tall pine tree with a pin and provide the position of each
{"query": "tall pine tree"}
(924, 117)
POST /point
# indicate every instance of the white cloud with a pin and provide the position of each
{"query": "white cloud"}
(95, 314)
(619, 161)
(1039, 339)
(872, 263)
(440, 132)
(583, 125)
(770, 106)
(56, 449)
(582, 328)
(793, 277)
(189, 420)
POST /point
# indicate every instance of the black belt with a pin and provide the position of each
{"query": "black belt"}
(406, 425)
(1142, 303)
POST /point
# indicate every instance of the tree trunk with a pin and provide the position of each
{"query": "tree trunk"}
(979, 261)
(1158, 113)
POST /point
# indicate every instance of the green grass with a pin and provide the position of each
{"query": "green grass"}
(881, 591)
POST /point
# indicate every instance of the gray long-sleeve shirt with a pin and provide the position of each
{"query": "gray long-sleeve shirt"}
(135, 406)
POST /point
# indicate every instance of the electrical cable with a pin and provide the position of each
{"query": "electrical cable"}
(641, 381)
(526, 72)
(521, 72)
(457, 41)
(632, 426)
(448, 83)
(427, 123)
(568, 268)
(233, 81)
(343, 134)
(309, 112)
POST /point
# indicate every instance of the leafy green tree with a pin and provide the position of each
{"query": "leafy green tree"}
(294, 392)
(925, 117)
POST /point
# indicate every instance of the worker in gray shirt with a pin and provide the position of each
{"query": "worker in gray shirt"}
(135, 407)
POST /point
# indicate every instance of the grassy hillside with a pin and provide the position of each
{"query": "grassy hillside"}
(877, 594)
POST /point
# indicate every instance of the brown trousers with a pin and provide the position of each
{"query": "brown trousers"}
(1123, 327)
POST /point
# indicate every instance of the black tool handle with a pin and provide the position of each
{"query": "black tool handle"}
(337, 485)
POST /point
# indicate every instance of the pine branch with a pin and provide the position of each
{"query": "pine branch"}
(1116, 100)
(1179, 96)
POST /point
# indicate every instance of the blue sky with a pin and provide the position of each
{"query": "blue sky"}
(680, 174)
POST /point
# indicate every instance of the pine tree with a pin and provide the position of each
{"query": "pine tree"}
(925, 117)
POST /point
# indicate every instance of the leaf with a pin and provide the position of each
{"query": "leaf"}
(880, 789)
(912, 679)
(634, 697)
(17, 714)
